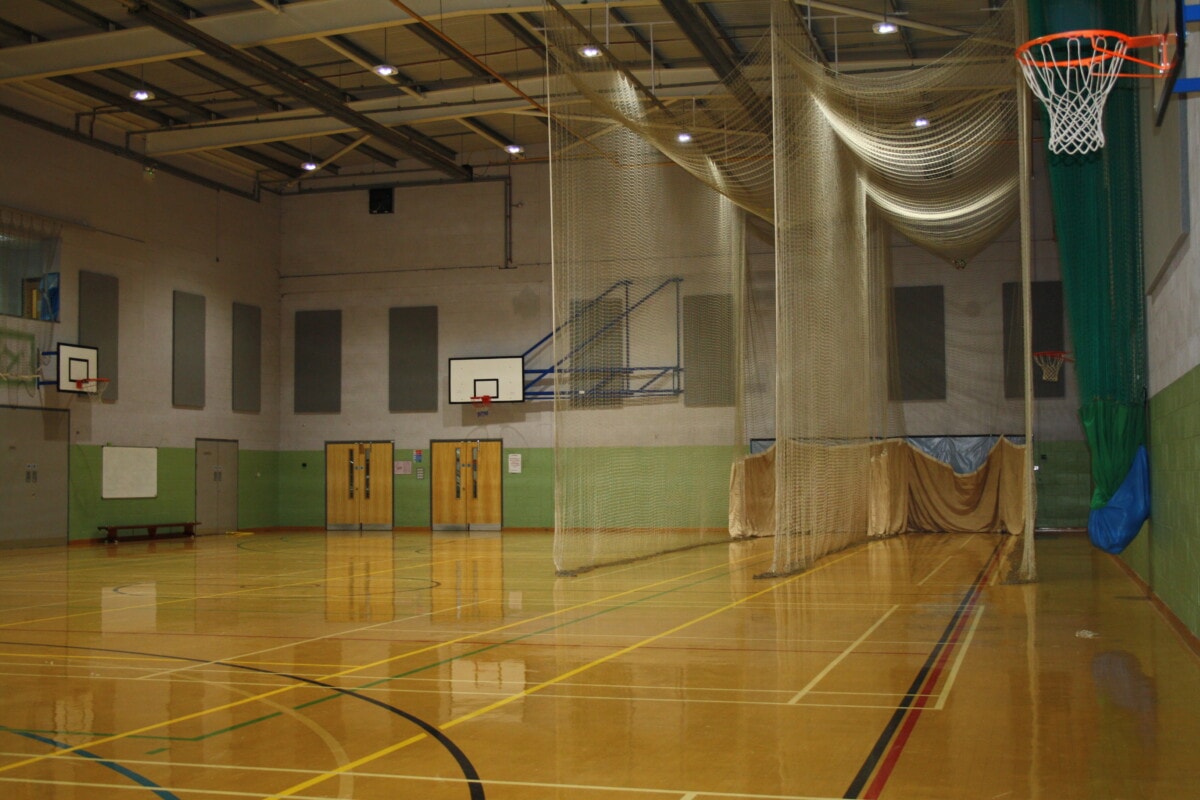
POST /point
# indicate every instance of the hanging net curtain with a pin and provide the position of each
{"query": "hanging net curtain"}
(837, 168)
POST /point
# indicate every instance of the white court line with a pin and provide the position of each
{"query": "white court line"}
(841, 656)
(933, 572)
(958, 659)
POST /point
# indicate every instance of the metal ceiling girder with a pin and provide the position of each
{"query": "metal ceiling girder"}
(690, 21)
(297, 21)
(447, 105)
(174, 141)
(189, 34)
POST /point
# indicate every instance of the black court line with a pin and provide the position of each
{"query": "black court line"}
(474, 782)
(889, 731)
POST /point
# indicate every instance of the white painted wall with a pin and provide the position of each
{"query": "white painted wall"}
(1173, 304)
(156, 234)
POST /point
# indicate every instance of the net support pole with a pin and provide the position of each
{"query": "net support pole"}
(1028, 567)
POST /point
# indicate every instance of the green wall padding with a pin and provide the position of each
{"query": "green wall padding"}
(1170, 560)
(258, 488)
(175, 502)
(1064, 484)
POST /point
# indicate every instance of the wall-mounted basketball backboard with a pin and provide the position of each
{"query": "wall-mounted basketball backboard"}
(1166, 17)
(501, 379)
(1163, 135)
(77, 368)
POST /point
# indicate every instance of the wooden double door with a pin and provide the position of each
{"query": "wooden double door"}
(466, 485)
(358, 486)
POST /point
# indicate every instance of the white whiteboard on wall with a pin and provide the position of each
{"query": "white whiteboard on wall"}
(129, 472)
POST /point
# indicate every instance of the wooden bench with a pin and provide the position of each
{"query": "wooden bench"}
(111, 532)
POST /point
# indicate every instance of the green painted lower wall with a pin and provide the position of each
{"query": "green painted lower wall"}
(1064, 483)
(175, 502)
(258, 488)
(1167, 552)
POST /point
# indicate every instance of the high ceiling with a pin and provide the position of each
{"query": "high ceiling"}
(244, 92)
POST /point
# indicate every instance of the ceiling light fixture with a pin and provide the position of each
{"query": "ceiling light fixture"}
(683, 137)
(309, 166)
(384, 69)
(142, 95)
(514, 149)
(884, 26)
(589, 51)
(921, 122)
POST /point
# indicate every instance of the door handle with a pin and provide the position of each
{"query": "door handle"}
(351, 451)
(367, 476)
(457, 473)
(475, 473)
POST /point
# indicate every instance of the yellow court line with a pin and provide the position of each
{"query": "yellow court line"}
(290, 791)
(196, 714)
(944, 692)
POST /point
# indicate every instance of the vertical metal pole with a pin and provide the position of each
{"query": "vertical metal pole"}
(1028, 568)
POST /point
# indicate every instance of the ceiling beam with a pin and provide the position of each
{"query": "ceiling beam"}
(85, 15)
(318, 99)
(434, 40)
(522, 34)
(622, 20)
(307, 19)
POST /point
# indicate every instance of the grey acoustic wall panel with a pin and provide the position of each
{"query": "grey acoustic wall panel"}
(247, 358)
(318, 362)
(413, 359)
(920, 342)
(187, 351)
(708, 363)
(99, 322)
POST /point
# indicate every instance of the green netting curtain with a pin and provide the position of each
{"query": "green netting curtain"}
(1097, 210)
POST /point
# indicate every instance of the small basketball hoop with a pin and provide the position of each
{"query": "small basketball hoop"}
(1050, 362)
(1072, 74)
(483, 404)
(94, 388)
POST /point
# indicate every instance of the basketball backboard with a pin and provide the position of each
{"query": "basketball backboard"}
(1166, 17)
(501, 378)
(77, 363)
(1162, 123)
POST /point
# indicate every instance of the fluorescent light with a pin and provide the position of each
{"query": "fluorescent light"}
(589, 51)
(514, 149)
(384, 70)
(921, 122)
(142, 95)
(884, 26)
(683, 137)
(309, 165)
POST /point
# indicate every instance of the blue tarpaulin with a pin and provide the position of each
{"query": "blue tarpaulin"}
(1113, 527)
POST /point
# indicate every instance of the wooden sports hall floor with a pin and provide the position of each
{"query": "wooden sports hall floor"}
(409, 665)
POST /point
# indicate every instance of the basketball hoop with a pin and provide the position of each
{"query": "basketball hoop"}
(1072, 74)
(483, 404)
(94, 388)
(1051, 362)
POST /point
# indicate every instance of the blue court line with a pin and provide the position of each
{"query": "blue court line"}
(137, 778)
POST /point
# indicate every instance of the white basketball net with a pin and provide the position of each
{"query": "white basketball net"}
(1051, 365)
(1072, 77)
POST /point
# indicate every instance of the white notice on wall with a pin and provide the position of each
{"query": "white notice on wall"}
(514, 462)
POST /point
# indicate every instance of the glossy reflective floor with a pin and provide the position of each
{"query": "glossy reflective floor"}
(407, 665)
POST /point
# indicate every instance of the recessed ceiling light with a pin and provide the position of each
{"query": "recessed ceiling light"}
(384, 70)
(142, 95)
(309, 166)
(884, 26)
(683, 137)
(514, 149)
(589, 51)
